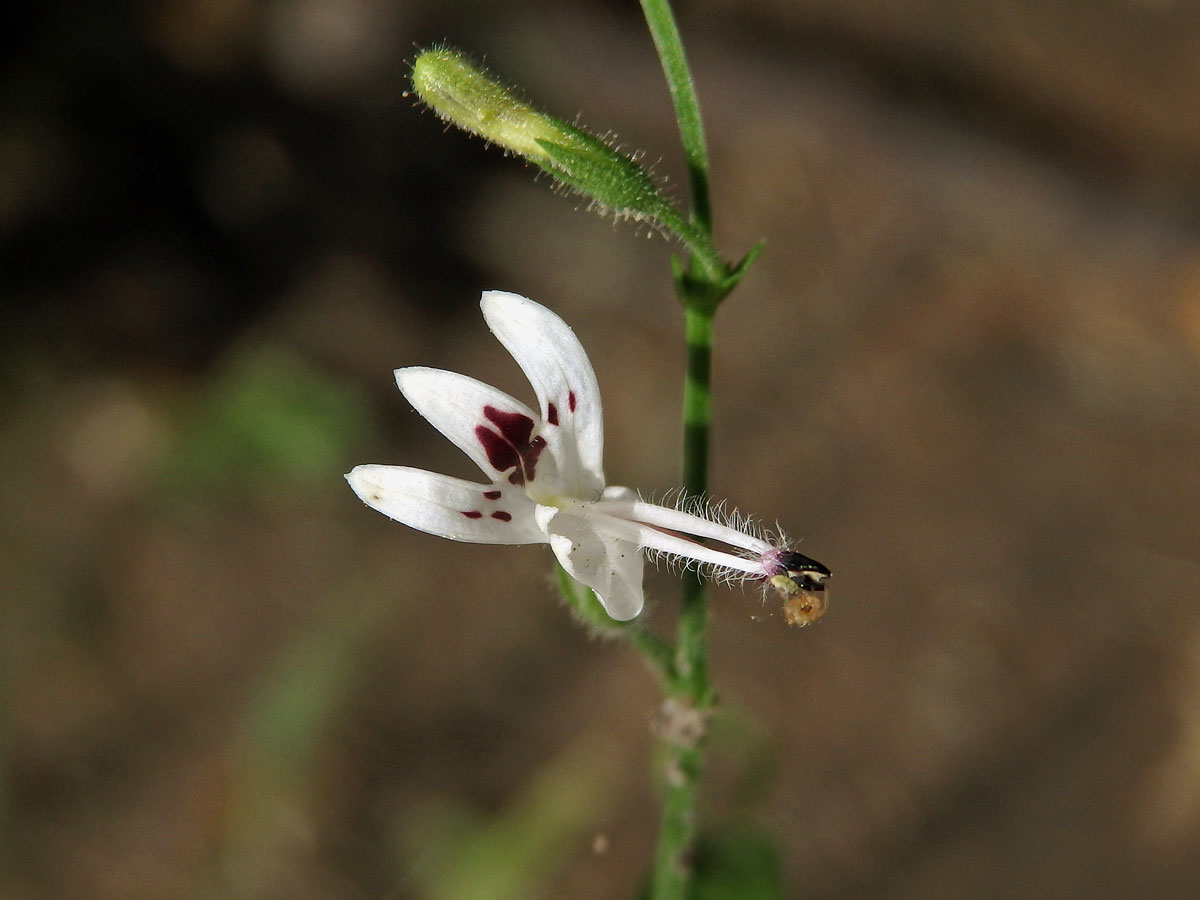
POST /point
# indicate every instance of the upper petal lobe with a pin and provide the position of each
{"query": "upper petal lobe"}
(555, 363)
(501, 434)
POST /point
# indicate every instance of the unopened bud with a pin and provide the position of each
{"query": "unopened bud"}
(464, 95)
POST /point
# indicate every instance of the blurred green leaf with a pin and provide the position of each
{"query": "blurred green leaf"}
(285, 723)
(511, 856)
(304, 685)
(269, 421)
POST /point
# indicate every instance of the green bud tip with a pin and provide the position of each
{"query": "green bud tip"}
(464, 95)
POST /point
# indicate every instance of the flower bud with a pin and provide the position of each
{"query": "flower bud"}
(464, 95)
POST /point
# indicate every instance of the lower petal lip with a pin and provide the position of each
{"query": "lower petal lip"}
(445, 506)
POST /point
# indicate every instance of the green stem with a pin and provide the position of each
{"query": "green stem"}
(687, 108)
(673, 868)
(697, 396)
(690, 690)
(700, 288)
(692, 649)
(698, 240)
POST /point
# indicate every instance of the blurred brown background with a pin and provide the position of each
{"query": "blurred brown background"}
(966, 373)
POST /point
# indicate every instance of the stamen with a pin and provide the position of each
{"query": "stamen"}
(649, 537)
(686, 523)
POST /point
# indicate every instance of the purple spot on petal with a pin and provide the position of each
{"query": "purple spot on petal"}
(571, 400)
(492, 495)
(552, 414)
(510, 445)
(514, 427)
(502, 515)
(473, 514)
(501, 454)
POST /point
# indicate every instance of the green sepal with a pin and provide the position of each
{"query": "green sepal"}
(617, 183)
(585, 606)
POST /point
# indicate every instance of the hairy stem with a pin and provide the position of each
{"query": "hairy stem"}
(692, 650)
(690, 693)
(701, 286)
(687, 108)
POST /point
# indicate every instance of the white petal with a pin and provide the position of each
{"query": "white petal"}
(448, 507)
(610, 566)
(555, 363)
(501, 434)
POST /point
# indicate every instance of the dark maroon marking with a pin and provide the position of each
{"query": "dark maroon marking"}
(501, 454)
(473, 514)
(510, 446)
(552, 414)
(571, 400)
(502, 515)
(515, 427)
(492, 495)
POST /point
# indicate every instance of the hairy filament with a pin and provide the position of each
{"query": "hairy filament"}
(683, 522)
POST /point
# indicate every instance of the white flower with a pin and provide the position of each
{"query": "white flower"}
(546, 478)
